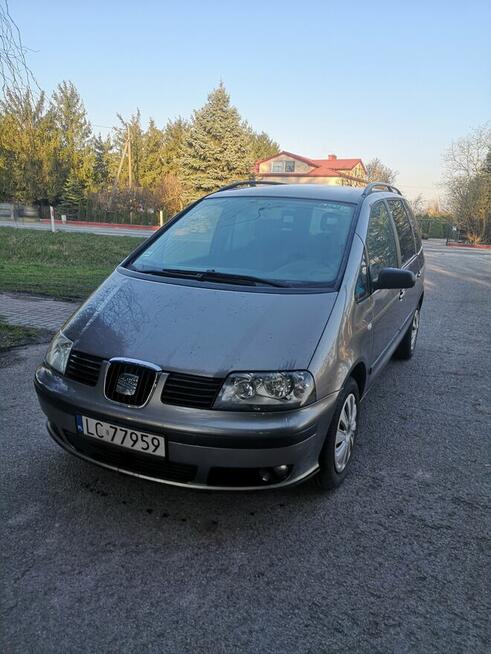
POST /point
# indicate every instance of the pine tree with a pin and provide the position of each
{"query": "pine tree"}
(73, 192)
(152, 165)
(174, 137)
(487, 163)
(262, 146)
(71, 120)
(30, 149)
(217, 148)
(100, 171)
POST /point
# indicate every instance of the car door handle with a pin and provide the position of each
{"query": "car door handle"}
(402, 293)
(418, 274)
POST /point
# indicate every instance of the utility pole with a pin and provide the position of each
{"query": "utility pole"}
(126, 152)
(130, 171)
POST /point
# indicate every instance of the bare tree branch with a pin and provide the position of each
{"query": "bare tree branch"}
(15, 73)
(467, 182)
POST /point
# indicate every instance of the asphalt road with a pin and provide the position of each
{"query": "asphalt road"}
(394, 561)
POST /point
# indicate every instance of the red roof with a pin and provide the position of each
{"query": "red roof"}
(320, 167)
(288, 154)
(338, 164)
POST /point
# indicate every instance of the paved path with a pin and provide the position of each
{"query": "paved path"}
(104, 231)
(35, 311)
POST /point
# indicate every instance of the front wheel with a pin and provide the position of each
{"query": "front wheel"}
(407, 346)
(337, 451)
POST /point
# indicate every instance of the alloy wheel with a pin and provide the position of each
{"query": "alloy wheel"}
(414, 329)
(345, 433)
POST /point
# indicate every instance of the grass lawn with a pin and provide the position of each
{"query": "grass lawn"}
(65, 266)
(12, 335)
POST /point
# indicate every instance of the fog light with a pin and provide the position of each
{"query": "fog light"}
(265, 475)
(281, 471)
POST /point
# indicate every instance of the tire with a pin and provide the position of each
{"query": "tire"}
(407, 346)
(333, 466)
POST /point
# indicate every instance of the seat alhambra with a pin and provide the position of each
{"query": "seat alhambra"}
(232, 348)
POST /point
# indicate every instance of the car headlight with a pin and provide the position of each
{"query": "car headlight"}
(266, 391)
(58, 352)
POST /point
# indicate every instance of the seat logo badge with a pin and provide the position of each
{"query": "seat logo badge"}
(127, 384)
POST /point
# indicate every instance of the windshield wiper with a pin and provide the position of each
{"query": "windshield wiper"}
(212, 275)
(215, 275)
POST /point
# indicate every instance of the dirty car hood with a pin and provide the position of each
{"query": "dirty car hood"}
(200, 330)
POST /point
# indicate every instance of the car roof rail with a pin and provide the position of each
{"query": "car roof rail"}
(379, 186)
(247, 182)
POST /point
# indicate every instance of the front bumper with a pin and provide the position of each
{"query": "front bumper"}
(205, 448)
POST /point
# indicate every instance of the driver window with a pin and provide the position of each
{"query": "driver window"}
(381, 242)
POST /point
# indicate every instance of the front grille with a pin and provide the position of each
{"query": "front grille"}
(141, 392)
(143, 464)
(191, 390)
(84, 368)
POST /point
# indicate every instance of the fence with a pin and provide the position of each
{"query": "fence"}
(435, 227)
(97, 214)
(84, 212)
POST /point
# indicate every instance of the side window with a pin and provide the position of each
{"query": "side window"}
(361, 289)
(415, 226)
(404, 229)
(381, 242)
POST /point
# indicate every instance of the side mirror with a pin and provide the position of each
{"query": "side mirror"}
(394, 278)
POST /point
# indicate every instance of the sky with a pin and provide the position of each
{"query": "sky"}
(395, 80)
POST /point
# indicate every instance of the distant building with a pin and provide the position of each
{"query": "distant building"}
(292, 168)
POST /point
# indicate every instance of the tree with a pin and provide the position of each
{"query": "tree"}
(417, 205)
(15, 74)
(73, 192)
(71, 120)
(467, 156)
(379, 172)
(75, 132)
(100, 171)
(175, 134)
(129, 128)
(467, 181)
(169, 194)
(262, 146)
(487, 164)
(216, 149)
(31, 149)
(152, 164)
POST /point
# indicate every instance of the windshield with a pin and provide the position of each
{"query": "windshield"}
(289, 241)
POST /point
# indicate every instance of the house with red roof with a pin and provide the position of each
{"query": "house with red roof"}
(295, 169)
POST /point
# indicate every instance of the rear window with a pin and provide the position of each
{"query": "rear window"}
(296, 241)
(404, 229)
(415, 226)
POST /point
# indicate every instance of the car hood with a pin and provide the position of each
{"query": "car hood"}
(198, 329)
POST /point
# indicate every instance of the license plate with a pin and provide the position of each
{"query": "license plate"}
(117, 435)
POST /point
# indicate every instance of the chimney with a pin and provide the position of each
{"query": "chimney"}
(331, 157)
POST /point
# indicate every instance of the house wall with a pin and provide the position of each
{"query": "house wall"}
(300, 166)
(358, 171)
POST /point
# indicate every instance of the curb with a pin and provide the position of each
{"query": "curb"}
(469, 245)
(89, 223)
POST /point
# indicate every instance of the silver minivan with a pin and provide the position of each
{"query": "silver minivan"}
(232, 348)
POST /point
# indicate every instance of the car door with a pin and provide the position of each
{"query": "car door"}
(382, 251)
(409, 297)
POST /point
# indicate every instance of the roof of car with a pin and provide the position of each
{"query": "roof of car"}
(308, 191)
